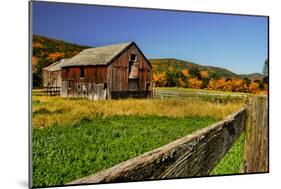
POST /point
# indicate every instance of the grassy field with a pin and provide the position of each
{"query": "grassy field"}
(232, 162)
(56, 110)
(62, 153)
(73, 138)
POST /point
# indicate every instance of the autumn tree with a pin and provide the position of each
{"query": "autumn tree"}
(194, 83)
(204, 74)
(254, 87)
(159, 79)
(238, 85)
(185, 72)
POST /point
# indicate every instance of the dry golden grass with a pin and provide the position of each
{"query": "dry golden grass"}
(49, 110)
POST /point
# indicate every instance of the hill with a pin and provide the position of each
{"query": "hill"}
(161, 65)
(252, 76)
(47, 50)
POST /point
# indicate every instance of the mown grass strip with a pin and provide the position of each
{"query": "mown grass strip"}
(62, 153)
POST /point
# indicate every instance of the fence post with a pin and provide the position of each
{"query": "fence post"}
(256, 136)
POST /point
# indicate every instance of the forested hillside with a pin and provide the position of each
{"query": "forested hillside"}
(178, 73)
(46, 51)
(168, 72)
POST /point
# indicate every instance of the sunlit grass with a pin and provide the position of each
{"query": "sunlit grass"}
(78, 137)
(48, 110)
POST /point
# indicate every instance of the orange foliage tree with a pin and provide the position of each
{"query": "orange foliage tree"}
(194, 83)
(254, 87)
(55, 56)
(159, 79)
(185, 72)
(204, 74)
(239, 85)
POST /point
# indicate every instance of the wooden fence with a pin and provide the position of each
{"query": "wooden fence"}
(256, 136)
(52, 91)
(198, 153)
(159, 93)
(193, 155)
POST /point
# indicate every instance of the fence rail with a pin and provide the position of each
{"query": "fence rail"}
(193, 155)
(198, 153)
(52, 91)
(181, 94)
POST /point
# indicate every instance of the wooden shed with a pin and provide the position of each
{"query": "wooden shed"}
(113, 71)
(52, 77)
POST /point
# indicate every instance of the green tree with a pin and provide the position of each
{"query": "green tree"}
(194, 72)
(171, 79)
(37, 79)
(247, 81)
(214, 75)
(265, 71)
(205, 82)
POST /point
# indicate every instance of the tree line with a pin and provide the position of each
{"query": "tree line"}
(196, 79)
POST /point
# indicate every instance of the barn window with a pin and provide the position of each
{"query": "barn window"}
(133, 58)
(82, 72)
(105, 86)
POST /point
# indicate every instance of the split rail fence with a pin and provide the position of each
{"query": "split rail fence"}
(198, 153)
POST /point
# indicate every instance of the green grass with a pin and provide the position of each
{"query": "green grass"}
(62, 153)
(232, 162)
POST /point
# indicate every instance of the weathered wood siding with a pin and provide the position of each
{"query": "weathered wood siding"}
(118, 71)
(51, 79)
(256, 136)
(92, 85)
(92, 74)
(193, 155)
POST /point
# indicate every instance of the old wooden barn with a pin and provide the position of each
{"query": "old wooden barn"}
(107, 72)
(52, 77)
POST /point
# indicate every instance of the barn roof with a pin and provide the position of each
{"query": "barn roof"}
(97, 56)
(57, 65)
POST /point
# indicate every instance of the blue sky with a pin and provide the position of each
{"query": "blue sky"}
(237, 43)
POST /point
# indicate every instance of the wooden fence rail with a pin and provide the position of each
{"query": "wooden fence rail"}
(184, 94)
(193, 155)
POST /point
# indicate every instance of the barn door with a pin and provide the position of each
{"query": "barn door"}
(70, 88)
(133, 85)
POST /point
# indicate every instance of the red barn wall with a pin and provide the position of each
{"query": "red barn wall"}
(118, 71)
(92, 74)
